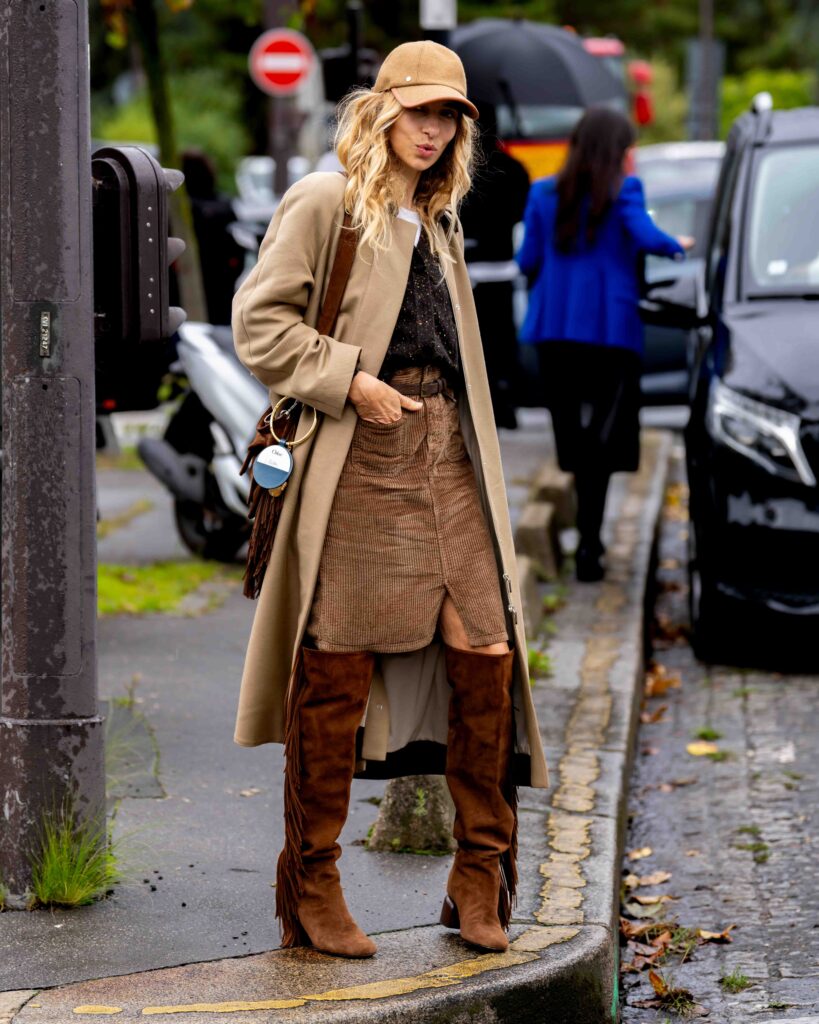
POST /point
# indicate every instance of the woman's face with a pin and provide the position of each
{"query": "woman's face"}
(421, 134)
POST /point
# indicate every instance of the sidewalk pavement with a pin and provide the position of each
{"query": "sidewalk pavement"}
(192, 932)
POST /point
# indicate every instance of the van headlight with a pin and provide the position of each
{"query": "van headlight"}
(768, 435)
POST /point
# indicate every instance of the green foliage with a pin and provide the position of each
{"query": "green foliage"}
(707, 733)
(75, 863)
(540, 664)
(208, 113)
(137, 589)
(4, 892)
(788, 89)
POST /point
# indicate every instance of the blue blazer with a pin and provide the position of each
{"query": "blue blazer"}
(590, 294)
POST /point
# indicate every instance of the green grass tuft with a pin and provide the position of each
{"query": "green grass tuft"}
(736, 981)
(707, 733)
(540, 664)
(126, 459)
(761, 851)
(75, 863)
(749, 830)
(4, 892)
(720, 755)
(141, 589)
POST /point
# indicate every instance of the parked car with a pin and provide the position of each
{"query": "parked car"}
(679, 180)
(752, 442)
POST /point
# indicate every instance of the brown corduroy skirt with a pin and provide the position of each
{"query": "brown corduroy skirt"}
(405, 529)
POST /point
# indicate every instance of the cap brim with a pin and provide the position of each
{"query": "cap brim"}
(415, 95)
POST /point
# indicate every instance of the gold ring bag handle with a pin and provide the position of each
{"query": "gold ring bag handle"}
(264, 507)
(274, 414)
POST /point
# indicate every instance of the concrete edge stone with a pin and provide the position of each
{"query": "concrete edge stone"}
(12, 1002)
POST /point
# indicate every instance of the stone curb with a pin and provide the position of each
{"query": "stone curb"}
(562, 965)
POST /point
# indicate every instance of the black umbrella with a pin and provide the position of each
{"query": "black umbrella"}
(517, 63)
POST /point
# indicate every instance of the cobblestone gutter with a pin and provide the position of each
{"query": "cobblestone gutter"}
(562, 963)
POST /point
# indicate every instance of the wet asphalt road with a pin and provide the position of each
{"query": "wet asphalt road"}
(737, 830)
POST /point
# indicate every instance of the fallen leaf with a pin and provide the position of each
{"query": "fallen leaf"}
(638, 854)
(639, 911)
(631, 881)
(649, 751)
(656, 879)
(633, 929)
(700, 748)
(658, 680)
(650, 717)
(662, 940)
(252, 791)
(670, 563)
(684, 782)
(659, 984)
(641, 948)
(692, 853)
(665, 629)
(648, 901)
(722, 936)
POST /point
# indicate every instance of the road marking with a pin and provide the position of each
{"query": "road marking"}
(91, 1008)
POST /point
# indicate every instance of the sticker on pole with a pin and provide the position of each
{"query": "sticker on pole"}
(280, 61)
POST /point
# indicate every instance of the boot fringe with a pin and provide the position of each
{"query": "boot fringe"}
(290, 867)
(509, 864)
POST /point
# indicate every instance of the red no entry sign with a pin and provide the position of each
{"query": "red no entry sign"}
(280, 61)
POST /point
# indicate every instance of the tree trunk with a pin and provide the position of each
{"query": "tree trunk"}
(144, 20)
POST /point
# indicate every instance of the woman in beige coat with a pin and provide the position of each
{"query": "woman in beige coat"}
(388, 639)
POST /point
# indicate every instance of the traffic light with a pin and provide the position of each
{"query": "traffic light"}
(132, 249)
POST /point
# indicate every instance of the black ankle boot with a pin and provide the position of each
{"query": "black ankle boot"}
(588, 567)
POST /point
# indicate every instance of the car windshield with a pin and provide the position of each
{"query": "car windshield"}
(783, 232)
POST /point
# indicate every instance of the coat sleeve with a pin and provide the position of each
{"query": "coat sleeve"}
(270, 335)
(638, 223)
(530, 255)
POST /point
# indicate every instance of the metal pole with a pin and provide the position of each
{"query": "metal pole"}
(51, 739)
(281, 121)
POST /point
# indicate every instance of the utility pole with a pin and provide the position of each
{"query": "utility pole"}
(282, 122)
(51, 739)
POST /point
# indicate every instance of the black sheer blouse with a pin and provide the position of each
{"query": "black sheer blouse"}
(425, 332)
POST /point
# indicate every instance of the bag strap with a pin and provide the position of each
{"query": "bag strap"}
(339, 275)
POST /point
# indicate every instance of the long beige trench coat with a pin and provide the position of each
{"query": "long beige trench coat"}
(405, 725)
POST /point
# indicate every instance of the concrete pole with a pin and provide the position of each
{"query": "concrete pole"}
(51, 740)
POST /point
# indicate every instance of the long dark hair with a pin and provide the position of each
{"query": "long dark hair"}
(592, 174)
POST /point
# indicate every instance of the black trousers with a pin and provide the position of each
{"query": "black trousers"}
(593, 394)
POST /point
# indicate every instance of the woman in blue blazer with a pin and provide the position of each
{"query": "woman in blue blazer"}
(585, 229)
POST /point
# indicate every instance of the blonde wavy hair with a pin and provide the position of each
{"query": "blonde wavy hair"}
(371, 196)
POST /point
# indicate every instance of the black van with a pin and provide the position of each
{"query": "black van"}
(752, 442)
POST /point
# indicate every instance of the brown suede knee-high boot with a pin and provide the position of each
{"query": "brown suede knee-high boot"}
(482, 880)
(325, 706)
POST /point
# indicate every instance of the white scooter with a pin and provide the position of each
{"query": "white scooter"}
(199, 457)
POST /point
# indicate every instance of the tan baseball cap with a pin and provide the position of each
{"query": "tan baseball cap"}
(424, 72)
